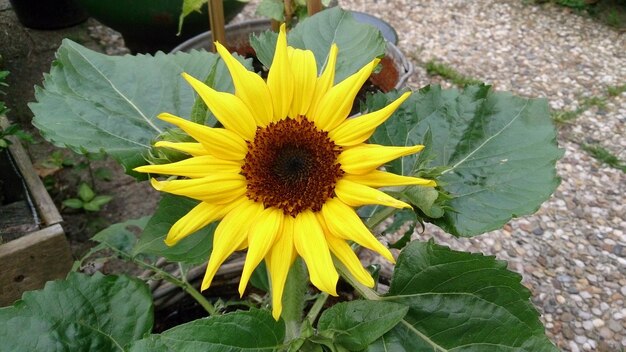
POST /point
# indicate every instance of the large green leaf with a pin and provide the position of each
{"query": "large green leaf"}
(460, 302)
(250, 331)
(81, 313)
(193, 249)
(358, 43)
(498, 152)
(93, 102)
(356, 324)
(122, 236)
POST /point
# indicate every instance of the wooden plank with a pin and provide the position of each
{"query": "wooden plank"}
(28, 262)
(47, 210)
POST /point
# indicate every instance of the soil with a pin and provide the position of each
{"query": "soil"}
(18, 217)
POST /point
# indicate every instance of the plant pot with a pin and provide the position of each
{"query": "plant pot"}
(48, 14)
(152, 25)
(33, 248)
(388, 32)
(237, 38)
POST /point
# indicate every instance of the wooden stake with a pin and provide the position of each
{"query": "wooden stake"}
(275, 25)
(313, 6)
(288, 12)
(216, 18)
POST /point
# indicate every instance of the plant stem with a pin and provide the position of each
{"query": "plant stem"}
(363, 290)
(293, 300)
(187, 287)
(317, 307)
(288, 12)
(199, 298)
(379, 217)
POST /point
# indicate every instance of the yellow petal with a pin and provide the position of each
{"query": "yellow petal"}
(249, 87)
(231, 111)
(355, 194)
(193, 149)
(217, 188)
(367, 157)
(304, 71)
(229, 235)
(326, 80)
(219, 142)
(280, 78)
(342, 251)
(378, 178)
(279, 260)
(336, 104)
(357, 130)
(197, 218)
(199, 166)
(261, 237)
(311, 244)
(343, 222)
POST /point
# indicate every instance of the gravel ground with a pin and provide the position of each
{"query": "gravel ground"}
(572, 252)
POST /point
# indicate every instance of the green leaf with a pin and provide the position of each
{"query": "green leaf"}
(103, 173)
(89, 206)
(250, 331)
(460, 301)
(81, 313)
(101, 200)
(273, 9)
(85, 193)
(357, 324)
(122, 236)
(194, 249)
(260, 278)
(358, 43)
(264, 44)
(97, 203)
(93, 102)
(424, 198)
(73, 203)
(189, 6)
(497, 152)
(400, 218)
(200, 112)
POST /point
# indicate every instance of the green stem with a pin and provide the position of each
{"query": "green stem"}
(317, 307)
(363, 290)
(187, 287)
(199, 298)
(379, 217)
(293, 300)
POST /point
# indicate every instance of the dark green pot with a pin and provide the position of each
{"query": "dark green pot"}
(48, 14)
(151, 25)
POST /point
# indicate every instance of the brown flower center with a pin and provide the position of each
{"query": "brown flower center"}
(292, 165)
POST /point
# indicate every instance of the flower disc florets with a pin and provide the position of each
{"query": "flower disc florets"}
(292, 165)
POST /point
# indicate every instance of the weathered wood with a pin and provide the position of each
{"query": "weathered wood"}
(216, 20)
(313, 7)
(45, 206)
(28, 262)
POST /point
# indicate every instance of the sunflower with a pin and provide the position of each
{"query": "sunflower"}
(285, 171)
